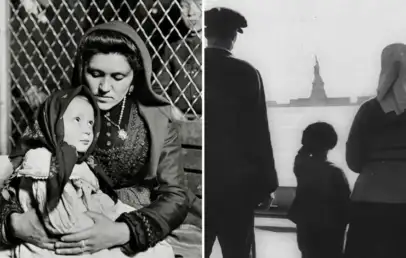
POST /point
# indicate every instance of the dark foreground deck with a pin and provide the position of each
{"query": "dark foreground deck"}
(275, 238)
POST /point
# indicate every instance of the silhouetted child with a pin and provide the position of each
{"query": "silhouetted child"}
(320, 208)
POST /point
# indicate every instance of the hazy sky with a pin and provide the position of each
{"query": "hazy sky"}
(283, 36)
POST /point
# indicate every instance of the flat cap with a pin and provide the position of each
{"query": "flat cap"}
(224, 19)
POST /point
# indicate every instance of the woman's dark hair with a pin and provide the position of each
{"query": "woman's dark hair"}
(108, 42)
(318, 138)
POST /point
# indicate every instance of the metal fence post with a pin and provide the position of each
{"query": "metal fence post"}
(5, 91)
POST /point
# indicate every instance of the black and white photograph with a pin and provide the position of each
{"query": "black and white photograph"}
(305, 145)
(203, 128)
(101, 105)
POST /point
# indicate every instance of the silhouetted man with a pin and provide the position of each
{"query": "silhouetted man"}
(239, 168)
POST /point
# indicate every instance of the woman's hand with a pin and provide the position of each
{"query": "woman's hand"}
(104, 234)
(28, 228)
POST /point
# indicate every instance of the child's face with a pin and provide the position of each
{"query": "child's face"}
(78, 124)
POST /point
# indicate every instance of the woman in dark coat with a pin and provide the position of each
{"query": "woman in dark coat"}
(138, 147)
(321, 204)
(376, 149)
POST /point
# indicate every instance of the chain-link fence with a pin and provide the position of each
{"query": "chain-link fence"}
(44, 35)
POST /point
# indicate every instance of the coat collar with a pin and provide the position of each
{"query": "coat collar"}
(218, 51)
(157, 121)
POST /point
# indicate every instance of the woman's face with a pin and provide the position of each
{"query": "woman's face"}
(192, 14)
(109, 76)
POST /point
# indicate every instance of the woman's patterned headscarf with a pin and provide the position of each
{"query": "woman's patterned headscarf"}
(392, 81)
(143, 88)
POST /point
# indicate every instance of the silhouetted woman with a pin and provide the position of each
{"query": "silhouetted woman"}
(376, 149)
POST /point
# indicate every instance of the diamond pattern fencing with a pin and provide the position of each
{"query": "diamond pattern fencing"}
(44, 36)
